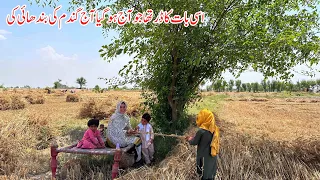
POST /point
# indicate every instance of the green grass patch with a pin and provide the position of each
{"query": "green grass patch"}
(162, 146)
(210, 102)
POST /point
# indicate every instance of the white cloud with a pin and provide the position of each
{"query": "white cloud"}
(2, 33)
(49, 66)
(49, 53)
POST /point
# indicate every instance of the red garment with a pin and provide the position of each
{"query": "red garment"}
(91, 140)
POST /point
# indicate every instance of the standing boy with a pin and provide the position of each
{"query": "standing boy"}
(147, 137)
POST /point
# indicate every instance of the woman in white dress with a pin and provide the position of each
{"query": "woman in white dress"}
(118, 127)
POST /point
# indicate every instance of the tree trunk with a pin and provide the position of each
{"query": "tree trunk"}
(171, 101)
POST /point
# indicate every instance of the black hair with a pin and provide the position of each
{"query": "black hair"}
(146, 116)
(124, 103)
(93, 122)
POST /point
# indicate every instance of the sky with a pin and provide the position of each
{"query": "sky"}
(38, 54)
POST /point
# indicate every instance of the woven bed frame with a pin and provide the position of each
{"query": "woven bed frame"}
(74, 150)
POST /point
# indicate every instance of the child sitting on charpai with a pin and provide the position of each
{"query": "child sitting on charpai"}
(92, 137)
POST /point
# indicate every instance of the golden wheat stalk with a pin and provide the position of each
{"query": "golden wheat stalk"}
(164, 135)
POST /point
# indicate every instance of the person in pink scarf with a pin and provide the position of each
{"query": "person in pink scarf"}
(92, 137)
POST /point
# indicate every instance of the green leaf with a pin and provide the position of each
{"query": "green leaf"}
(119, 51)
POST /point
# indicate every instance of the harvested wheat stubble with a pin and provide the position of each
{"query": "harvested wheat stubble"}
(315, 100)
(16, 156)
(252, 99)
(279, 121)
(243, 99)
(302, 101)
(35, 99)
(180, 164)
(249, 158)
(256, 158)
(57, 93)
(72, 98)
(290, 100)
(259, 99)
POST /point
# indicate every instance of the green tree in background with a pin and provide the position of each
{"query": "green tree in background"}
(264, 85)
(57, 84)
(224, 85)
(81, 81)
(230, 85)
(238, 84)
(244, 86)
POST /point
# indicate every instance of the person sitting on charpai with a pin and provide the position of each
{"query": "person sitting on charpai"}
(120, 131)
(92, 137)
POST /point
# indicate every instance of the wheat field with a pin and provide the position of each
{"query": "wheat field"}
(263, 135)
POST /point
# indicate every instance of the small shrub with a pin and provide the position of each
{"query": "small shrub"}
(72, 98)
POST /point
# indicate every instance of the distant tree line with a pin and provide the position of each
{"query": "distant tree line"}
(58, 85)
(218, 86)
(264, 86)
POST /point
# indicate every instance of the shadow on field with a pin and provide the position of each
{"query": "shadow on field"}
(75, 134)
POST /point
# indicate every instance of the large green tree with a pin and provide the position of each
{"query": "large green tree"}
(171, 60)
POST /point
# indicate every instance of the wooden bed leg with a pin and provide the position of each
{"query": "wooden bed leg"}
(115, 166)
(54, 162)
